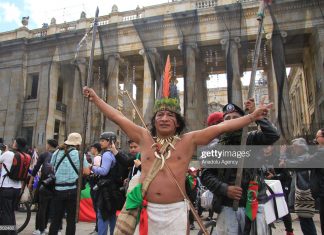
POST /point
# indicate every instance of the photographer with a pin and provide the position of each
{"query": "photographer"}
(44, 199)
(108, 185)
(66, 162)
(10, 184)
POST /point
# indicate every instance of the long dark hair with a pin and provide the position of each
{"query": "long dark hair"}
(66, 147)
(180, 120)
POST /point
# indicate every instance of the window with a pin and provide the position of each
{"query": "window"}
(57, 129)
(27, 133)
(32, 86)
(59, 98)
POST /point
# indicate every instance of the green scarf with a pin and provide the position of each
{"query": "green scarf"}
(134, 199)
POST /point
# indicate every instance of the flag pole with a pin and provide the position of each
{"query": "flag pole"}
(85, 114)
(251, 93)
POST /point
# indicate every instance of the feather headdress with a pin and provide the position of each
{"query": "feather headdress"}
(168, 95)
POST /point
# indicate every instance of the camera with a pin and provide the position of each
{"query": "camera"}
(112, 139)
(49, 181)
(101, 183)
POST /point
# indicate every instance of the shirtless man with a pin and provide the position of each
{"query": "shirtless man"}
(167, 123)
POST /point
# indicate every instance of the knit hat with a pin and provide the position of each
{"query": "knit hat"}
(74, 139)
(300, 142)
(167, 98)
(215, 118)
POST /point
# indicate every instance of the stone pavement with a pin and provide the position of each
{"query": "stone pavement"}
(83, 228)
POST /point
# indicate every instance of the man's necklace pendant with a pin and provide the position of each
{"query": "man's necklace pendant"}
(162, 147)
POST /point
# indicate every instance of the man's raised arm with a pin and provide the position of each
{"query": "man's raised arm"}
(204, 136)
(132, 130)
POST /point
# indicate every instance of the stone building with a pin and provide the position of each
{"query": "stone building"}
(42, 71)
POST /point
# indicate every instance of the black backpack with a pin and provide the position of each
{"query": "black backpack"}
(47, 168)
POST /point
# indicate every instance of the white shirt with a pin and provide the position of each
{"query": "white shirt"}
(5, 182)
(97, 160)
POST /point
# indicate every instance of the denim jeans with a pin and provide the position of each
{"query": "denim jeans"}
(307, 225)
(321, 210)
(64, 201)
(232, 222)
(103, 224)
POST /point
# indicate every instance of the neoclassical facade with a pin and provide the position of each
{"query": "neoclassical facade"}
(42, 71)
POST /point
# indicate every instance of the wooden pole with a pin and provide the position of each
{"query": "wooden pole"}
(86, 110)
(251, 93)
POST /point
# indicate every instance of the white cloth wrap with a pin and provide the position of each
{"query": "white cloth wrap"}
(167, 219)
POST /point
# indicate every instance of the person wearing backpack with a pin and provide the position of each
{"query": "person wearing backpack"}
(15, 166)
(66, 163)
(108, 185)
(44, 200)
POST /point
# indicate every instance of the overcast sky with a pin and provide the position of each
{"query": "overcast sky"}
(41, 11)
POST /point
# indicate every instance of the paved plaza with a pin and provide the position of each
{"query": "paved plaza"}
(83, 228)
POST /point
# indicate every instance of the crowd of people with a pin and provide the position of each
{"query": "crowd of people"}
(145, 184)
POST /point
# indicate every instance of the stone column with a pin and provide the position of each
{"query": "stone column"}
(76, 122)
(148, 86)
(236, 93)
(53, 80)
(95, 122)
(195, 91)
(14, 115)
(128, 109)
(139, 101)
(113, 88)
(317, 51)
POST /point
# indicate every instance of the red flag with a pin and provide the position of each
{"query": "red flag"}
(166, 80)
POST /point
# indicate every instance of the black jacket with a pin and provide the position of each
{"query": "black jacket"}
(127, 160)
(218, 180)
(318, 174)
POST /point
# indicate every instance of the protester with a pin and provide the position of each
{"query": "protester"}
(107, 183)
(192, 192)
(317, 184)
(221, 181)
(66, 162)
(44, 200)
(166, 208)
(95, 151)
(9, 186)
(272, 171)
(132, 160)
(305, 206)
(213, 119)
